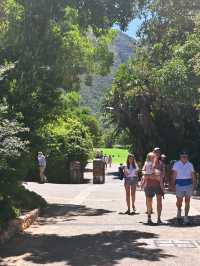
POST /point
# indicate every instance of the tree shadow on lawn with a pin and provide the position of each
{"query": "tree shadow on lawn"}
(104, 248)
(56, 213)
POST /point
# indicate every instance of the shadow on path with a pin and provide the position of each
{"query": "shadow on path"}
(105, 248)
(194, 222)
(67, 212)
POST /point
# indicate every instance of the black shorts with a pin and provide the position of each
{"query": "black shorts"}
(152, 191)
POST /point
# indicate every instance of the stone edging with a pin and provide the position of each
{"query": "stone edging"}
(19, 225)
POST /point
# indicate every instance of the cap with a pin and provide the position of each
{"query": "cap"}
(156, 149)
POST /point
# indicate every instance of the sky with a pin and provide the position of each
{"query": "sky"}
(133, 27)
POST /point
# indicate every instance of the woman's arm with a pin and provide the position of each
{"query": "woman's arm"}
(126, 171)
(144, 169)
(194, 180)
(155, 163)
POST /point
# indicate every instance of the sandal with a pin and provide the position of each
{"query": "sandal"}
(127, 212)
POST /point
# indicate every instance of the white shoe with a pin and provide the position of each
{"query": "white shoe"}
(178, 214)
(186, 220)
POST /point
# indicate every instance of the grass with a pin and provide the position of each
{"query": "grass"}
(118, 155)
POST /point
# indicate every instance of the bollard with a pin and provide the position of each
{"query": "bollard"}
(75, 173)
(98, 171)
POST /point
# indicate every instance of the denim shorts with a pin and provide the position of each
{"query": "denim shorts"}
(130, 181)
(184, 191)
(152, 191)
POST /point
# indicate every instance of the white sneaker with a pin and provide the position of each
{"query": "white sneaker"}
(186, 220)
(178, 214)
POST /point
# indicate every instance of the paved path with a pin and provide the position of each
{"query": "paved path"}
(83, 227)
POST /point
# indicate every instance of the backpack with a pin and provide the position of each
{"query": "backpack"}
(121, 173)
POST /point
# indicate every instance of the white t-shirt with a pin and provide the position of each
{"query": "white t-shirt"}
(131, 171)
(42, 160)
(184, 172)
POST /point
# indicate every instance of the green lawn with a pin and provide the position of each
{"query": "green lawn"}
(119, 155)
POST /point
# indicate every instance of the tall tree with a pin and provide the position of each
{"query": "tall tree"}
(155, 96)
(49, 45)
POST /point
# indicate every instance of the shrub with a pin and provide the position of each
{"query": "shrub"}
(13, 151)
(67, 140)
(27, 200)
(7, 211)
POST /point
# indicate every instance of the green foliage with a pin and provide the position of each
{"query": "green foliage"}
(67, 140)
(155, 96)
(49, 44)
(8, 211)
(71, 108)
(46, 48)
(12, 150)
(13, 169)
(27, 200)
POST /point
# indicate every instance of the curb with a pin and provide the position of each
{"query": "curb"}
(19, 225)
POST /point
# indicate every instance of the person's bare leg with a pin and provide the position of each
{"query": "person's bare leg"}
(149, 201)
(179, 203)
(151, 207)
(159, 206)
(41, 173)
(133, 191)
(187, 205)
(187, 208)
(127, 188)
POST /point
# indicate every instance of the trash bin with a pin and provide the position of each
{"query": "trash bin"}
(75, 173)
(98, 171)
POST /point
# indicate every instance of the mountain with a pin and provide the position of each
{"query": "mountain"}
(123, 48)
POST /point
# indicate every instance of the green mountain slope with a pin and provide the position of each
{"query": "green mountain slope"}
(123, 48)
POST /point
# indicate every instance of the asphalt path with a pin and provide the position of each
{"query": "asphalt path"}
(84, 225)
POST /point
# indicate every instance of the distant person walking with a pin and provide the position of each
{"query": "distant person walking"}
(99, 155)
(110, 161)
(185, 183)
(42, 166)
(130, 182)
(153, 184)
(106, 161)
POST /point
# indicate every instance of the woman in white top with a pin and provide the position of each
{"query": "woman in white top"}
(130, 182)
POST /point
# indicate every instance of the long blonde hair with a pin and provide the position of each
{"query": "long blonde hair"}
(149, 155)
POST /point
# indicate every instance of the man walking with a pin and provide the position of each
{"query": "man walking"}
(42, 166)
(185, 182)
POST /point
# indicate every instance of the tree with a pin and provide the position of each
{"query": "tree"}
(12, 147)
(155, 96)
(50, 45)
(71, 107)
